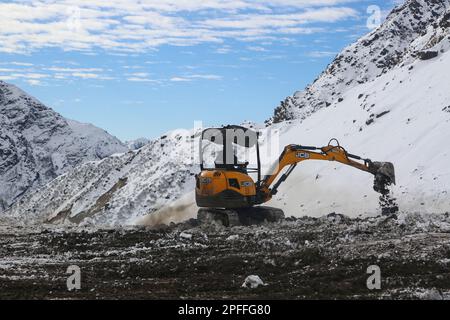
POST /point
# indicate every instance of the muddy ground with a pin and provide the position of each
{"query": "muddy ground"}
(304, 258)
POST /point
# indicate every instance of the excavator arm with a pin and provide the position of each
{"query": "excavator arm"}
(293, 154)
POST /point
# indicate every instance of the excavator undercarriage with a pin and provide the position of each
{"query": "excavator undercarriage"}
(240, 217)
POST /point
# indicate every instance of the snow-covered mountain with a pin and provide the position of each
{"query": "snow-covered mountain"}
(386, 97)
(118, 189)
(37, 144)
(137, 143)
(416, 29)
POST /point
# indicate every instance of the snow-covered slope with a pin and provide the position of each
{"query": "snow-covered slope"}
(37, 144)
(118, 189)
(137, 144)
(410, 31)
(388, 105)
(403, 117)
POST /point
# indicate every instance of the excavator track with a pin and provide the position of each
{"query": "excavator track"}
(240, 217)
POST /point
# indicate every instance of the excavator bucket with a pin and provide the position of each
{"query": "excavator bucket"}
(384, 176)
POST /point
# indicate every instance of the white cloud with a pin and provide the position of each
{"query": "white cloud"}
(71, 70)
(261, 22)
(397, 2)
(85, 75)
(205, 77)
(140, 74)
(34, 82)
(132, 67)
(180, 79)
(140, 77)
(193, 77)
(66, 73)
(21, 64)
(6, 78)
(256, 49)
(321, 54)
(30, 75)
(224, 50)
(139, 26)
(137, 79)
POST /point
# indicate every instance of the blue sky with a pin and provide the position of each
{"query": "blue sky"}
(141, 68)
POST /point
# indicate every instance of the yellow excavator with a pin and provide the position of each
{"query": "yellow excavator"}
(226, 193)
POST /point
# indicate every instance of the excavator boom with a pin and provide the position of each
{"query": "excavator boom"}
(293, 154)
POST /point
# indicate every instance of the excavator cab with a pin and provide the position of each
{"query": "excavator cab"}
(225, 180)
(226, 143)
